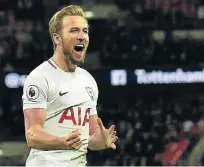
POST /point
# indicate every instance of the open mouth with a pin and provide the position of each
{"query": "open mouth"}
(79, 48)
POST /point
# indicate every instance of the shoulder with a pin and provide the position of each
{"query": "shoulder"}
(38, 76)
(42, 69)
(86, 73)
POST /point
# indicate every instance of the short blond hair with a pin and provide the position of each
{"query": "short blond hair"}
(55, 23)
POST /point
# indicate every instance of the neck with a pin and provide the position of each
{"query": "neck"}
(63, 62)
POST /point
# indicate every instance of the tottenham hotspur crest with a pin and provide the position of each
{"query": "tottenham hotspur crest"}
(90, 92)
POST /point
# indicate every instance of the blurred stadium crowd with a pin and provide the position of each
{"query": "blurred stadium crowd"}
(156, 125)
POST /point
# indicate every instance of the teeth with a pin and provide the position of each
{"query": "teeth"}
(80, 45)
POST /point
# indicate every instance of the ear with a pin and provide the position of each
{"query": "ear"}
(57, 39)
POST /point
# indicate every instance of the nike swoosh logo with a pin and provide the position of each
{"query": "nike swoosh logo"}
(62, 94)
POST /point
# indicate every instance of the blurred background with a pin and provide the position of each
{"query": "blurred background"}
(147, 57)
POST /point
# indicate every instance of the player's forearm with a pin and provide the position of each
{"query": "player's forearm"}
(96, 142)
(39, 139)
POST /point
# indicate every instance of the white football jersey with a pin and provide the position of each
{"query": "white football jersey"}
(69, 99)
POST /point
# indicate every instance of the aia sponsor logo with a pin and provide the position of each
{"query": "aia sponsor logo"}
(75, 116)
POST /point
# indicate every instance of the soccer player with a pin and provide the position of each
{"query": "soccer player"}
(60, 98)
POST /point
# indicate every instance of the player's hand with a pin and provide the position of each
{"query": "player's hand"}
(76, 143)
(109, 135)
(73, 140)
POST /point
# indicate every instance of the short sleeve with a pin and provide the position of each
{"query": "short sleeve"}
(35, 92)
